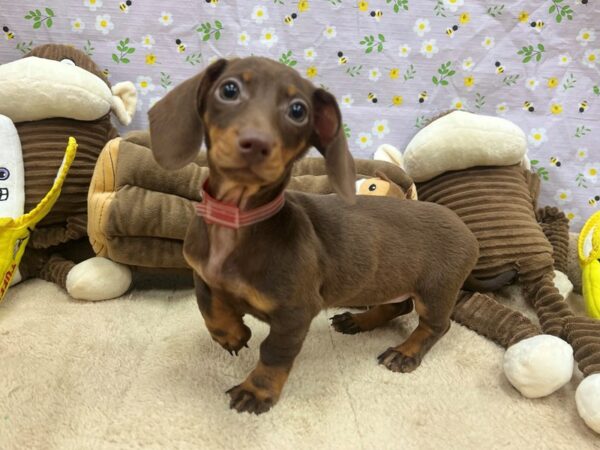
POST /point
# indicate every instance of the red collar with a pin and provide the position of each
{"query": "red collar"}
(215, 212)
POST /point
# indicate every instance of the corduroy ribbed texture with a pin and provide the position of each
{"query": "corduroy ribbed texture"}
(555, 226)
(44, 143)
(56, 270)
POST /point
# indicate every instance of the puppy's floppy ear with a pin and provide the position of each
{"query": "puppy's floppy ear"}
(176, 128)
(330, 140)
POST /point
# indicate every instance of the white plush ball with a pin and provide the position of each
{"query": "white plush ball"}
(98, 279)
(539, 365)
(587, 398)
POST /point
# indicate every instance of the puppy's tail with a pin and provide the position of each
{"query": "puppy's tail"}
(474, 284)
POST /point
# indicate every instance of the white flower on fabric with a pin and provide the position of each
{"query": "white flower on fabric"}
(488, 42)
(591, 172)
(502, 108)
(364, 140)
(259, 14)
(268, 37)
(166, 18)
(153, 101)
(591, 57)
(453, 5)
(564, 59)
(573, 215)
(330, 32)
(374, 74)
(429, 48)
(310, 54)
(563, 196)
(147, 41)
(421, 27)
(104, 24)
(586, 35)
(92, 4)
(537, 136)
(404, 51)
(467, 64)
(243, 38)
(532, 83)
(144, 85)
(458, 103)
(347, 100)
(77, 25)
(380, 128)
(212, 59)
(581, 154)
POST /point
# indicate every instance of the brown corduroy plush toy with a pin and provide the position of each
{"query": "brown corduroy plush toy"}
(55, 92)
(476, 166)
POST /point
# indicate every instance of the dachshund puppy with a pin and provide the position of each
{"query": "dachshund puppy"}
(282, 256)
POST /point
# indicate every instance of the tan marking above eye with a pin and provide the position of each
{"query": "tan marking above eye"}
(292, 90)
(247, 76)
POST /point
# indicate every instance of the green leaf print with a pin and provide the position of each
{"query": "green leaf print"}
(354, 70)
(561, 11)
(596, 90)
(580, 180)
(529, 52)
(39, 19)
(124, 50)
(24, 47)
(347, 130)
(445, 72)
(165, 80)
(278, 2)
(541, 171)
(510, 80)
(496, 10)
(582, 131)
(207, 29)
(371, 43)
(569, 82)
(420, 122)
(288, 59)
(439, 8)
(398, 5)
(479, 100)
(194, 58)
(410, 73)
(88, 49)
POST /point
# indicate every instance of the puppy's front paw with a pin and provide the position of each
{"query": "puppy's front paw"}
(397, 361)
(345, 323)
(233, 339)
(246, 398)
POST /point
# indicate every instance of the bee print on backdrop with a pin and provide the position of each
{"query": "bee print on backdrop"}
(536, 63)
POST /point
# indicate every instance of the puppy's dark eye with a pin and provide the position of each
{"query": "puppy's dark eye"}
(230, 91)
(297, 112)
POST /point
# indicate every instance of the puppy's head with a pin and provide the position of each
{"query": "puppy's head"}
(257, 117)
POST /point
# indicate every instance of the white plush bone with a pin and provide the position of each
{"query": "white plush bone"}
(460, 140)
(98, 279)
(587, 398)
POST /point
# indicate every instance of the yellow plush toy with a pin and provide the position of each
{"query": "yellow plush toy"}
(589, 259)
(15, 232)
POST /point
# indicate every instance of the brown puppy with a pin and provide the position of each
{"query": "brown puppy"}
(257, 117)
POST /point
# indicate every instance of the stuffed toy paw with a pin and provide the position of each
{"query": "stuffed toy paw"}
(98, 279)
(587, 398)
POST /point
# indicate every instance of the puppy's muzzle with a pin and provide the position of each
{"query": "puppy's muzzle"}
(255, 146)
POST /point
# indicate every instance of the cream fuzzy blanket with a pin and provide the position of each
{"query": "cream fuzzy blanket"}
(142, 372)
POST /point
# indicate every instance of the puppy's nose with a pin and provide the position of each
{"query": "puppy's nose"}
(255, 146)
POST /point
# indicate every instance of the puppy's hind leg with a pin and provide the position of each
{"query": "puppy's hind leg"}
(349, 323)
(433, 324)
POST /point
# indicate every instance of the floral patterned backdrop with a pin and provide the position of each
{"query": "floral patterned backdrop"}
(391, 63)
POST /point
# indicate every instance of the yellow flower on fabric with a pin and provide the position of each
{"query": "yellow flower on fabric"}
(303, 5)
(469, 81)
(150, 59)
(394, 73)
(464, 18)
(397, 100)
(363, 6)
(523, 17)
(552, 82)
(311, 72)
(556, 108)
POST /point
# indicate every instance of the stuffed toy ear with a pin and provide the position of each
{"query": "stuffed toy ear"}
(330, 140)
(176, 128)
(124, 101)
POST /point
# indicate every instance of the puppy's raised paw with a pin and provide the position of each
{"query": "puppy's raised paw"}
(397, 361)
(345, 323)
(244, 398)
(234, 339)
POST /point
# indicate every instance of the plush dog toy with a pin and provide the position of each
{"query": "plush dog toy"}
(53, 93)
(476, 166)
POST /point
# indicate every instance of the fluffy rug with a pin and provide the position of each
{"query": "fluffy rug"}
(142, 372)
